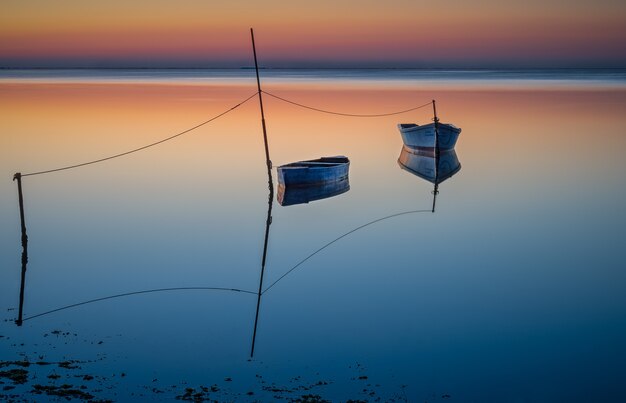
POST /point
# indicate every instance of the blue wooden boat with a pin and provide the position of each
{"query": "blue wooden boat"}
(423, 136)
(314, 172)
(290, 195)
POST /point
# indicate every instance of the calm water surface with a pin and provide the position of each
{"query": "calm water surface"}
(513, 290)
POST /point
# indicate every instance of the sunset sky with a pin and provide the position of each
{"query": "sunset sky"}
(352, 33)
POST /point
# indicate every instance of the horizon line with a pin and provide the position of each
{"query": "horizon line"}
(316, 68)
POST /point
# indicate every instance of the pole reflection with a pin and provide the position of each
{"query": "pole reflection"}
(268, 222)
(430, 165)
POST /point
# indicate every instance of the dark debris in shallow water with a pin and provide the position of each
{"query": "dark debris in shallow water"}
(310, 398)
(66, 379)
(20, 363)
(69, 364)
(65, 390)
(17, 376)
(194, 395)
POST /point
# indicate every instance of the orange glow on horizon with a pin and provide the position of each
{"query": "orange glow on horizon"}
(400, 32)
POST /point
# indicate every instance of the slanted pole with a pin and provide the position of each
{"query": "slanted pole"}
(258, 83)
(18, 177)
(270, 183)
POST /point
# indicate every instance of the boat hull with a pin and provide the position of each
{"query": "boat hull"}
(424, 136)
(314, 172)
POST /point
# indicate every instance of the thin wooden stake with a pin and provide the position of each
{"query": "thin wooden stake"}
(18, 177)
(258, 83)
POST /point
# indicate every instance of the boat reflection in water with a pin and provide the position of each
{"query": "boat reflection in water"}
(428, 164)
(290, 195)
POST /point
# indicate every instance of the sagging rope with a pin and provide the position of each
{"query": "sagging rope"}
(135, 293)
(346, 114)
(224, 288)
(218, 116)
(146, 146)
(337, 239)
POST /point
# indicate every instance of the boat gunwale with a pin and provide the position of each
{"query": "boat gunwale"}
(340, 160)
(295, 165)
(427, 125)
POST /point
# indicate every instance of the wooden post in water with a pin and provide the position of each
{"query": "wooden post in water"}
(270, 182)
(18, 177)
(258, 83)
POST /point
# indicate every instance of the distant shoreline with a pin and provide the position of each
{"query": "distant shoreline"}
(327, 68)
(380, 78)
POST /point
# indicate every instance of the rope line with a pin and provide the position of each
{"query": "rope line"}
(337, 239)
(346, 114)
(224, 288)
(135, 293)
(146, 146)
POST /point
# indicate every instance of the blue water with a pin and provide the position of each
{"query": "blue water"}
(514, 289)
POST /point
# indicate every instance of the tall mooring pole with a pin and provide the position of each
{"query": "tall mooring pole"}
(258, 83)
(270, 183)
